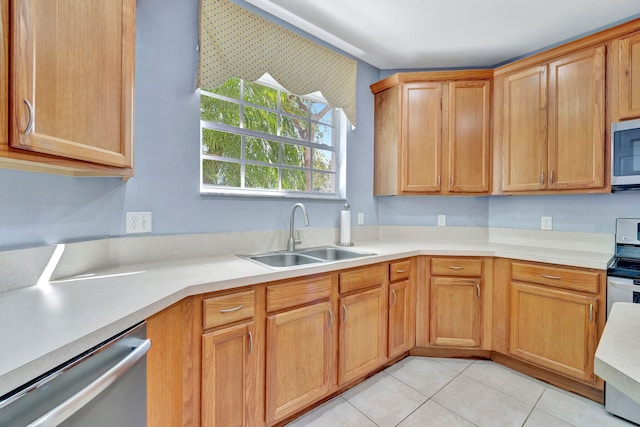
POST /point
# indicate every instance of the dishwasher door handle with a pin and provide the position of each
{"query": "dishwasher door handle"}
(76, 402)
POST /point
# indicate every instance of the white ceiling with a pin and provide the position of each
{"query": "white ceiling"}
(446, 33)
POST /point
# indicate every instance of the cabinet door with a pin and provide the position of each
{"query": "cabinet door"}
(456, 312)
(629, 77)
(553, 329)
(300, 359)
(228, 376)
(4, 72)
(577, 120)
(72, 79)
(363, 334)
(468, 144)
(421, 137)
(524, 130)
(401, 318)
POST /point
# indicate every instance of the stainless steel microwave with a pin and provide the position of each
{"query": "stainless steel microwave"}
(625, 155)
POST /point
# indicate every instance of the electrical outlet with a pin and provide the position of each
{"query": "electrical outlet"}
(138, 222)
(360, 218)
(546, 223)
(442, 220)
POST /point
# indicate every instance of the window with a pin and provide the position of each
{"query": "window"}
(259, 139)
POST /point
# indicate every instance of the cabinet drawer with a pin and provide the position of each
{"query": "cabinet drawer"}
(228, 308)
(362, 278)
(456, 267)
(399, 270)
(298, 292)
(584, 281)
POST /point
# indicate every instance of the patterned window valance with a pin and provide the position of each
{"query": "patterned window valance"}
(235, 42)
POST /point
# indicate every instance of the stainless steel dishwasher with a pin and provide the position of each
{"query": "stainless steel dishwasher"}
(105, 386)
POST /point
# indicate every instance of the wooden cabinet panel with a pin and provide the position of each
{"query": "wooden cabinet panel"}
(629, 77)
(298, 292)
(228, 376)
(421, 137)
(228, 308)
(524, 132)
(401, 317)
(300, 359)
(456, 312)
(362, 278)
(4, 72)
(399, 270)
(72, 80)
(576, 95)
(468, 131)
(386, 137)
(468, 267)
(554, 329)
(578, 280)
(363, 334)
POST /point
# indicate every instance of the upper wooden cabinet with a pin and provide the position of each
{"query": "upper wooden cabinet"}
(626, 64)
(70, 87)
(432, 133)
(552, 116)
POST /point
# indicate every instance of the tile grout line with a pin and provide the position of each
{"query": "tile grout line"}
(357, 409)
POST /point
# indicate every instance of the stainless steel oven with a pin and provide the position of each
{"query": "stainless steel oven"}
(105, 386)
(623, 285)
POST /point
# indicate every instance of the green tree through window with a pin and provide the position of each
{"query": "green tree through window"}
(257, 136)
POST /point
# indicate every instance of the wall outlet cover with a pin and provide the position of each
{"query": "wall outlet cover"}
(546, 223)
(360, 218)
(138, 222)
(442, 220)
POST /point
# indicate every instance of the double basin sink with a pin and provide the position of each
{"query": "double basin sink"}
(301, 257)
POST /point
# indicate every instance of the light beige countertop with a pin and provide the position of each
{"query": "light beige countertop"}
(44, 325)
(618, 355)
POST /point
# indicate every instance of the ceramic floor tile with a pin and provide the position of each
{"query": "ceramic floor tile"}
(423, 374)
(506, 380)
(384, 399)
(540, 418)
(481, 404)
(577, 410)
(335, 413)
(457, 365)
(433, 414)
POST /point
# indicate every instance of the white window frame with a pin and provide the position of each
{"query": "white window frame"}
(339, 135)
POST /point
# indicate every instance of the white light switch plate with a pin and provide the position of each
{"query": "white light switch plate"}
(442, 220)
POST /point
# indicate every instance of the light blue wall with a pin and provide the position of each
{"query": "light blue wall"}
(40, 209)
(460, 211)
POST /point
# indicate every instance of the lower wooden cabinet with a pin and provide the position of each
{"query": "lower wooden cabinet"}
(456, 312)
(402, 307)
(229, 376)
(300, 359)
(362, 335)
(554, 328)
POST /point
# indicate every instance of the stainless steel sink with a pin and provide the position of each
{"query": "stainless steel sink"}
(301, 257)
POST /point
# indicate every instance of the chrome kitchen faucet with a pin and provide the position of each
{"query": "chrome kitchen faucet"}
(291, 243)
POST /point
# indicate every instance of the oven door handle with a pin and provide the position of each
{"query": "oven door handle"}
(623, 286)
(76, 402)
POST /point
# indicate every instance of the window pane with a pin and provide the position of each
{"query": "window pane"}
(295, 180)
(295, 128)
(223, 144)
(323, 159)
(230, 89)
(219, 111)
(260, 120)
(295, 105)
(261, 177)
(294, 155)
(262, 150)
(258, 94)
(324, 182)
(321, 112)
(322, 134)
(220, 173)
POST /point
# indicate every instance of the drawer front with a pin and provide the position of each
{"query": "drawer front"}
(399, 270)
(298, 292)
(362, 278)
(578, 280)
(228, 308)
(456, 267)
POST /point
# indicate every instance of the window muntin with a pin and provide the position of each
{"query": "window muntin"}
(259, 139)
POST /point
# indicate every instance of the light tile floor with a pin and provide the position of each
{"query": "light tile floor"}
(423, 392)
